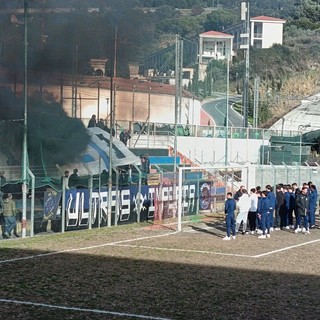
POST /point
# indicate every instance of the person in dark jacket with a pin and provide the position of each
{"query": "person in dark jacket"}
(74, 178)
(273, 202)
(280, 200)
(93, 121)
(229, 208)
(302, 211)
(238, 194)
(313, 197)
(291, 206)
(125, 136)
(285, 209)
(9, 214)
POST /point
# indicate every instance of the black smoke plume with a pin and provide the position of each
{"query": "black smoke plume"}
(53, 137)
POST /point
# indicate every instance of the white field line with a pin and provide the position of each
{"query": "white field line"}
(183, 250)
(85, 248)
(285, 248)
(198, 230)
(219, 253)
(118, 314)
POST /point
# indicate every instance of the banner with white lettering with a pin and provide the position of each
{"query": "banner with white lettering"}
(153, 203)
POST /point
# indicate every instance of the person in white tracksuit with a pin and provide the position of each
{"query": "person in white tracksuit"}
(244, 205)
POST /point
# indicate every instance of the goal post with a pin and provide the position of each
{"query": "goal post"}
(207, 194)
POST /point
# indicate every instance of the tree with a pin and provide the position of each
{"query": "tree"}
(219, 20)
(310, 9)
(166, 12)
(216, 76)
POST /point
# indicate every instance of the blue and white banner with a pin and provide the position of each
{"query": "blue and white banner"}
(154, 202)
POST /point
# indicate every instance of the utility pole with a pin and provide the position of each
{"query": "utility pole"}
(245, 17)
(25, 126)
(178, 94)
(256, 102)
(112, 118)
(132, 112)
(75, 80)
(42, 42)
(227, 110)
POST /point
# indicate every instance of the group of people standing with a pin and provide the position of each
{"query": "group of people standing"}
(124, 136)
(290, 207)
(100, 124)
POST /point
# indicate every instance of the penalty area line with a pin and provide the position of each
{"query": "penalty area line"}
(285, 248)
(184, 250)
(97, 311)
(40, 255)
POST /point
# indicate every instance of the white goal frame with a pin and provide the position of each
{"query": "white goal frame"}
(244, 181)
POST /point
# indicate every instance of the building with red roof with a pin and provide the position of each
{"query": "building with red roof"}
(213, 45)
(266, 31)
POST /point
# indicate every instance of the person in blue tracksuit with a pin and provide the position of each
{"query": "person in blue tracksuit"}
(313, 196)
(273, 202)
(286, 205)
(229, 208)
(258, 220)
(280, 204)
(264, 214)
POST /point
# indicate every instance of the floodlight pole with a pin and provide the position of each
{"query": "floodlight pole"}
(25, 125)
(227, 110)
(110, 155)
(112, 116)
(178, 95)
(245, 16)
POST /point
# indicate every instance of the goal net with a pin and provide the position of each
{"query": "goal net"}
(201, 193)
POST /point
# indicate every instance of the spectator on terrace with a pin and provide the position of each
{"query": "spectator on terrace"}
(100, 124)
(3, 179)
(65, 180)
(125, 136)
(73, 179)
(145, 167)
(92, 122)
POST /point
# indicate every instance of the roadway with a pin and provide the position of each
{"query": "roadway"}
(217, 111)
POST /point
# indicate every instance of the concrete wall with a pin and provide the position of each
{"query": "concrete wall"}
(128, 105)
(271, 34)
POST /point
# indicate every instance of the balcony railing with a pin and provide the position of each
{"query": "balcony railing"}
(257, 35)
(154, 129)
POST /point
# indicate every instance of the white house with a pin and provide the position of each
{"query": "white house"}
(266, 31)
(213, 45)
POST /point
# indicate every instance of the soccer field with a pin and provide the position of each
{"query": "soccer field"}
(142, 272)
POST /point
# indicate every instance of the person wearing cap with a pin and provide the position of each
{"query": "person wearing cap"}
(9, 214)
